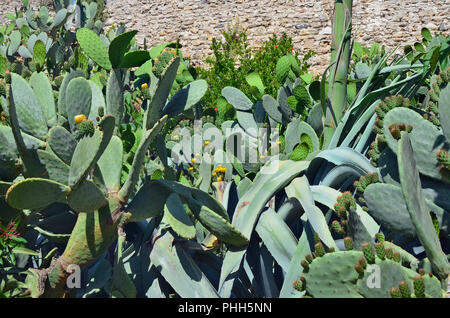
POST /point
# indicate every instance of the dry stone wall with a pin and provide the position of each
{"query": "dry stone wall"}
(196, 22)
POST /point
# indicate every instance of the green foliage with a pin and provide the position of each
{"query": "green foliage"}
(234, 62)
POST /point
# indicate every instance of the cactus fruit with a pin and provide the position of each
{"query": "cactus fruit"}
(304, 264)
(396, 257)
(359, 269)
(419, 286)
(368, 253)
(348, 243)
(319, 249)
(389, 253)
(86, 127)
(79, 118)
(404, 289)
(298, 285)
(395, 292)
(380, 250)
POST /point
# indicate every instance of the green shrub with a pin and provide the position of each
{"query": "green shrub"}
(233, 60)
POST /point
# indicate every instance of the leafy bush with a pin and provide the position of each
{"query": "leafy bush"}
(234, 60)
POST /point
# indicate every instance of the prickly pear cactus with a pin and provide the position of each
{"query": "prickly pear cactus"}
(375, 272)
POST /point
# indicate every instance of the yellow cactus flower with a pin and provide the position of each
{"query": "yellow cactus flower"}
(197, 155)
(80, 118)
(191, 168)
(214, 174)
(262, 157)
(2, 118)
(193, 160)
(176, 137)
(219, 179)
(144, 86)
(207, 143)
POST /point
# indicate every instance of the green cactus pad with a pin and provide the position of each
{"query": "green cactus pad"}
(78, 100)
(92, 235)
(148, 202)
(425, 138)
(218, 226)
(444, 111)
(62, 143)
(119, 46)
(237, 98)
(62, 90)
(292, 102)
(15, 39)
(42, 88)
(412, 192)
(390, 274)
(110, 163)
(253, 79)
(282, 69)
(35, 193)
(302, 95)
(185, 98)
(94, 47)
(87, 197)
(176, 216)
(387, 205)
(138, 160)
(89, 149)
(161, 94)
(135, 59)
(29, 114)
(272, 108)
(114, 95)
(57, 170)
(300, 152)
(39, 53)
(333, 275)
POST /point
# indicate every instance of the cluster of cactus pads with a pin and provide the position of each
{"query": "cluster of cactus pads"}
(350, 208)
(379, 270)
(71, 158)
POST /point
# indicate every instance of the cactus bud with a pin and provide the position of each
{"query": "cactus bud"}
(331, 250)
(395, 293)
(422, 271)
(419, 286)
(368, 253)
(86, 128)
(58, 80)
(359, 269)
(380, 237)
(304, 264)
(298, 285)
(381, 253)
(389, 253)
(336, 226)
(309, 258)
(348, 243)
(319, 249)
(316, 238)
(396, 257)
(362, 261)
(101, 111)
(404, 289)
